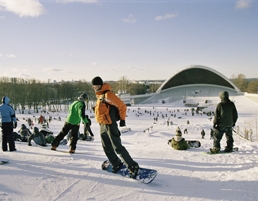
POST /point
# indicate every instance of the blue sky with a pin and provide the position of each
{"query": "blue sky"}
(137, 39)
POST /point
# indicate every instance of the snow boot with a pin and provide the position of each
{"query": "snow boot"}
(117, 167)
(133, 170)
(53, 148)
(71, 151)
(215, 150)
(228, 149)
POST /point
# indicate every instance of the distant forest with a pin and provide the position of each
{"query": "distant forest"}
(35, 94)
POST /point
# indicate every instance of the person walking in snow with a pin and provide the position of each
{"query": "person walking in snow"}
(203, 134)
(110, 108)
(76, 114)
(224, 119)
(8, 123)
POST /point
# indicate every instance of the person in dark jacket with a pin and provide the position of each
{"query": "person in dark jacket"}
(75, 116)
(9, 122)
(25, 133)
(87, 132)
(37, 137)
(224, 119)
(110, 108)
(203, 134)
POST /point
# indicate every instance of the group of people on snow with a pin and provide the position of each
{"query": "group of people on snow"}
(108, 110)
(225, 118)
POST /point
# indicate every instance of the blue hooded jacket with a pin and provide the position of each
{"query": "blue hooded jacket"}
(7, 111)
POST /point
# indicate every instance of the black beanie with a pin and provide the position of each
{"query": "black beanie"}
(97, 81)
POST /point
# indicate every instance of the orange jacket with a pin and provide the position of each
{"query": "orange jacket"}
(102, 115)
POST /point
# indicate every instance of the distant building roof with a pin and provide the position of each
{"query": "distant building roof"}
(196, 74)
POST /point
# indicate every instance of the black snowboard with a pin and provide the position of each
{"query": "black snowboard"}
(194, 143)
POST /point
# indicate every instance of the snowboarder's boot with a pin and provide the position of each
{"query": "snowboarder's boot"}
(133, 170)
(215, 150)
(117, 167)
(228, 149)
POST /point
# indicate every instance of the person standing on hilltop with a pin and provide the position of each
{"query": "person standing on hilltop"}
(225, 118)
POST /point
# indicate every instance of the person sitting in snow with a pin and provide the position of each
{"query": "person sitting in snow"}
(44, 130)
(178, 142)
(37, 137)
(25, 133)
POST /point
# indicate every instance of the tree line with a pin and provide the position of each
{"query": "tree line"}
(245, 85)
(36, 95)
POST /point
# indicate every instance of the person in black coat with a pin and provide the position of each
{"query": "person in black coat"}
(224, 119)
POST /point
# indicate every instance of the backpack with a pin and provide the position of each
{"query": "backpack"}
(117, 116)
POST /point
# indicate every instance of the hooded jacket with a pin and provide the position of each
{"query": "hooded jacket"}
(104, 112)
(76, 113)
(179, 145)
(7, 111)
(225, 114)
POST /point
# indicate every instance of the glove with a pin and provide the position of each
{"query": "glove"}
(15, 125)
(122, 123)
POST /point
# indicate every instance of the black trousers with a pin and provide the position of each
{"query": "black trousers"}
(7, 136)
(218, 136)
(74, 135)
(112, 145)
(87, 130)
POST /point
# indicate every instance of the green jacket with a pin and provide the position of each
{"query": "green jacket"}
(76, 113)
(180, 145)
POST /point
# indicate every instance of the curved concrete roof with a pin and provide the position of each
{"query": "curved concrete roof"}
(196, 74)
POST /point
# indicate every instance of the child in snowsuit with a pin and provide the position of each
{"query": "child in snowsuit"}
(178, 143)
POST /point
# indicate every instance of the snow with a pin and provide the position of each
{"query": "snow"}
(37, 173)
